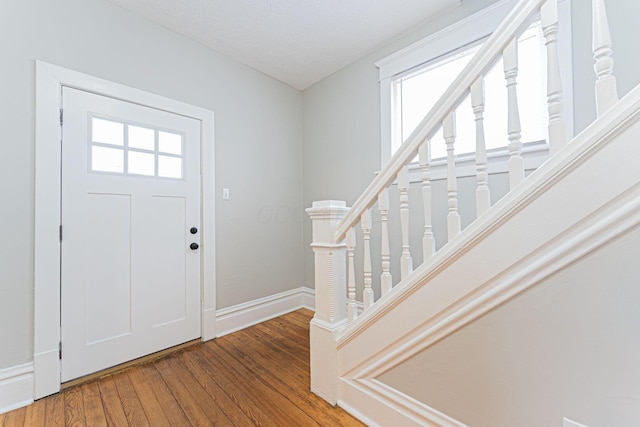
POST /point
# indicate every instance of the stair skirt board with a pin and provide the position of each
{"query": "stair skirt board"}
(16, 387)
(237, 317)
(619, 218)
(365, 352)
(386, 406)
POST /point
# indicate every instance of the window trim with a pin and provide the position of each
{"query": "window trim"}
(465, 32)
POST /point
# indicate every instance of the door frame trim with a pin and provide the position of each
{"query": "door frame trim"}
(50, 79)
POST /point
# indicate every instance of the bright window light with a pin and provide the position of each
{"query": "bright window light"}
(414, 94)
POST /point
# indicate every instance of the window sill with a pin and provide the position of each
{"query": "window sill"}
(534, 154)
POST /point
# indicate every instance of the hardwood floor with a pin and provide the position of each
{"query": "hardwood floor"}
(255, 377)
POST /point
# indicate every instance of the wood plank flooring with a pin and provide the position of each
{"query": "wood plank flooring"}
(255, 377)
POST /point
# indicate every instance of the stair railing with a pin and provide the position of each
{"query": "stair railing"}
(334, 234)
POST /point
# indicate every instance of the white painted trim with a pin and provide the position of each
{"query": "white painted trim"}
(309, 299)
(385, 406)
(620, 214)
(46, 372)
(49, 82)
(16, 387)
(240, 316)
(461, 33)
(208, 324)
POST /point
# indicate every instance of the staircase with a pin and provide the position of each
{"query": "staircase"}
(533, 232)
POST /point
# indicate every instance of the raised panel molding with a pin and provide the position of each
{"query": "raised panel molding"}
(16, 387)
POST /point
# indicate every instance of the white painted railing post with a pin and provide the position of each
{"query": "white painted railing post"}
(367, 292)
(352, 308)
(516, 163)
(606, 86)
(428, 240)
(557, 134)
(331, 296)
(483, 197)
(383, 207)
(406, 262)
(453, 217)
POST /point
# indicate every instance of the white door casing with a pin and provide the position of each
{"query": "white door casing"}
(50, 80)
(130, 281)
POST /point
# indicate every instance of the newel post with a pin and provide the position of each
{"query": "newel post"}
(331, 296)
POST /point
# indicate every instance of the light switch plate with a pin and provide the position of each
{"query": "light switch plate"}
(226, 195)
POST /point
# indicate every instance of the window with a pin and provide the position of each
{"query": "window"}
(132, 149)
(412, 80)
(417, 91)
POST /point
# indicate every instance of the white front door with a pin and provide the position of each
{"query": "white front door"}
(130, 231)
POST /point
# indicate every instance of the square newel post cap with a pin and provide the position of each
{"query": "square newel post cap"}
(326, 214)
(328, 209)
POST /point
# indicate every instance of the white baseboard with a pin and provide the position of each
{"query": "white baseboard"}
(308, 298)
(237, 317)
(16, 387)
(386, 406)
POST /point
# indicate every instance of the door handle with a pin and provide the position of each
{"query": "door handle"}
(193, 230)
(194, 246)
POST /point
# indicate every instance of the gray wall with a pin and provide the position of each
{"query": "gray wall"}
(566, 348)
(258, 132)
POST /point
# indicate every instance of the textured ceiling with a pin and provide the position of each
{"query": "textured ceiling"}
(296, 41)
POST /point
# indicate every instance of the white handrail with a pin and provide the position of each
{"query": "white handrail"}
(511, 26)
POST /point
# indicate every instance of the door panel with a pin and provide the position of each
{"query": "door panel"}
(130, 194)
(109, 266)
(169, 241)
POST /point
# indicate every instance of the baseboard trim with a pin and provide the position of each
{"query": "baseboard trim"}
(237, 317)
(387, 406)
(308, 298)
(16, 387)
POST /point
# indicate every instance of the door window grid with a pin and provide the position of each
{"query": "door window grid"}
(132, 149)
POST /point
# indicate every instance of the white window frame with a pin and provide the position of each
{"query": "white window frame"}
(463, 33)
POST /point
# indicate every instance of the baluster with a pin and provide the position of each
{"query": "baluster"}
(453, 218)
(483, 198)
(606, 87)
(428, 242)
(383, 207)
(557, 135)
(352, 309)
(367, 294)
(406, 263)
(516, 164)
